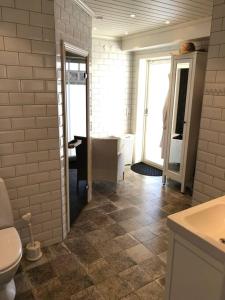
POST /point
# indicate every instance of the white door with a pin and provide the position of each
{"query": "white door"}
(156, 93)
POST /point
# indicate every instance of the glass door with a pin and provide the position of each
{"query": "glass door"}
(156, 93)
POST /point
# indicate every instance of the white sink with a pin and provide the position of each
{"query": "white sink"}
(209, 221)
(196, 256)
(204, 223)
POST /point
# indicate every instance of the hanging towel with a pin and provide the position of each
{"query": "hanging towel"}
(165, 119)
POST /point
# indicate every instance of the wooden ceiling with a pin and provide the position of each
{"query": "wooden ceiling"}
(149, 14)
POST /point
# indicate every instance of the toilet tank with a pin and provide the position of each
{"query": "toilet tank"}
(6, 216)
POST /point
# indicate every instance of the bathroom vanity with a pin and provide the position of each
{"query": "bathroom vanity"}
(196, 257)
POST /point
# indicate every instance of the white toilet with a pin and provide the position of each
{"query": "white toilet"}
(10, 247)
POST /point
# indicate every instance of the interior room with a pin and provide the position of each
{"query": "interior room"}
(112, 149)
(76, 118)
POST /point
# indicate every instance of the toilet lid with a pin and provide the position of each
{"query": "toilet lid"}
(10, 248)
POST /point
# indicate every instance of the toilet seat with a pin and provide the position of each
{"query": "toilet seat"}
(10, 249)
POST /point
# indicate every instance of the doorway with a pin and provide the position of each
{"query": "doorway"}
(76, 124)
(157, 86)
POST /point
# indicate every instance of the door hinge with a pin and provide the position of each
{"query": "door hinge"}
(146, 111)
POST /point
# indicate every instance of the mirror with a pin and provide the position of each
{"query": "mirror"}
(178, 117)
(76, 117)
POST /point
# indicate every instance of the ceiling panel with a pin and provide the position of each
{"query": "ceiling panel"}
(149, 14)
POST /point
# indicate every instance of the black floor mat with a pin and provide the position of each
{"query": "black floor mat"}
(144, 169)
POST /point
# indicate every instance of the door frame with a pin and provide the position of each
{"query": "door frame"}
(75, 50)
(164, 58)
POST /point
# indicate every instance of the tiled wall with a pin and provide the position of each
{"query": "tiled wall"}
(111, 95)
(73, 26)
(210, 168)
(29, 145)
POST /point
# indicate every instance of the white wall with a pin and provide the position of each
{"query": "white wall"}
(210, 169)
(29, 145)
(111, 92)
(30, 112)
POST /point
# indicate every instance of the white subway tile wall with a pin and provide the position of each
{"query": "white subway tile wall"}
(210, 168)
(31, 144)
(111, 88)
(74, 26)
(28, 123)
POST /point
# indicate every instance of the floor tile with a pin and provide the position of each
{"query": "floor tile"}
(108, 247)
(154, 267)
(51, 290)
(114, 288)
(159, 227)
(156, 245)
(139, 253)
(22, 283)
(130, 225)
(124, 214)
(131, 296)
(136, 277)
(97, 236)
(27, 265)
(126, 241)
(143, 234)
(115, 230)
(65, 264)
(28, 295)
(90, 293)
(100, 271)
(57, 250)
(41, 274)
(120, 261)
(157, 213)
(117, 248)
(84, 227)
(163, 257)
(108, 208)
(83, 250)
(103, 220)
(71, 284)
(151, 291)
(162, 282)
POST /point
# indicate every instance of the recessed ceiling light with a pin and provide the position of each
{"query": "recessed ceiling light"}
(126, 32)
(94, 28)
(132, 15)
(167, 22)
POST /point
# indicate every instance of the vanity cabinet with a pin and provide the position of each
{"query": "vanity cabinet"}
(191, 273)
(184, 111)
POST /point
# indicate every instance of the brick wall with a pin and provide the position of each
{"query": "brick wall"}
(72, 25)
(210, 168)
(111, 94)
(29, 147)
(31, 126)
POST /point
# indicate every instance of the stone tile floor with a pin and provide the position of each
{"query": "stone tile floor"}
(117, 248)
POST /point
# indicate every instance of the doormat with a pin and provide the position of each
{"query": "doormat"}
(144, 169)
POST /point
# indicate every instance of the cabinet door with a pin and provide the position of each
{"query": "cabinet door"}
(178, 116)
(192, 277)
